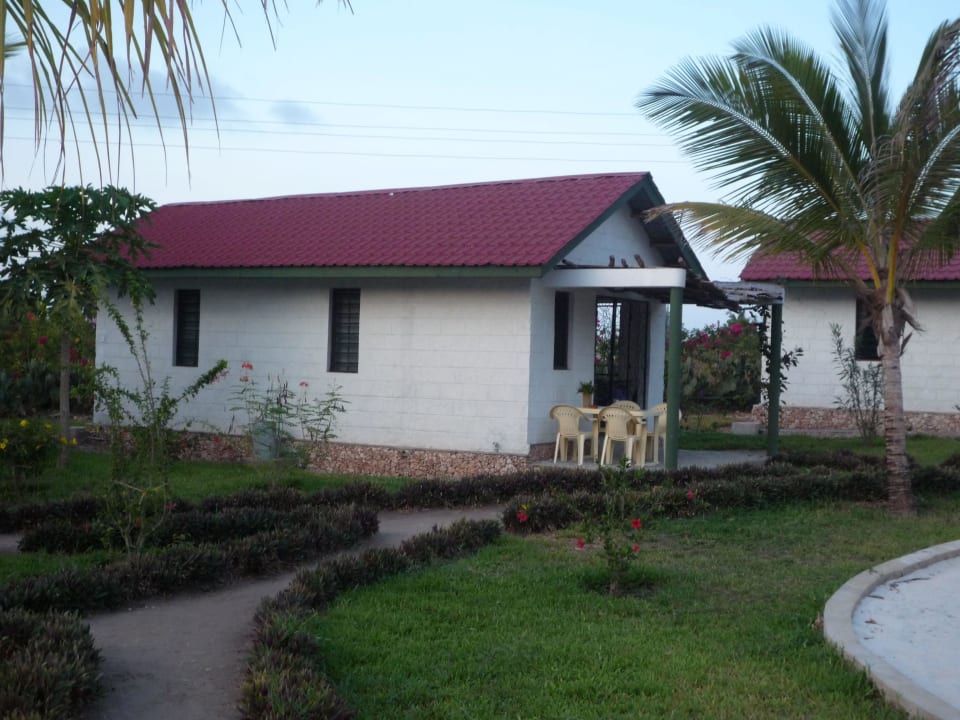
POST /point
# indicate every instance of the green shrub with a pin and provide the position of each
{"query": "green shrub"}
(183, 567)
(49, 667)
(28, 446)
(82, 508)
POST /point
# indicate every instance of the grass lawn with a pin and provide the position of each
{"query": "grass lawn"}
(726, 630)
(925, 449)
(89, 472)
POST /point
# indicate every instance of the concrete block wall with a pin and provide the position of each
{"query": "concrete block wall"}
(444, 364)
(931, 373)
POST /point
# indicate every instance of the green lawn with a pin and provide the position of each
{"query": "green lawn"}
(89, 472)
(727, 630)
(925, 449)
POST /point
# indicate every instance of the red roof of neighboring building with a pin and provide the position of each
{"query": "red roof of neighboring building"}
(789, 266)
(516, 223)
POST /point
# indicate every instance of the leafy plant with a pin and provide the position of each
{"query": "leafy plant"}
(861, 383)
(276, 414)
(28, 446)
(141, 439)
(720, 365)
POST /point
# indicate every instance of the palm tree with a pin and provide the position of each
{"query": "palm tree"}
(75, 53)
(818, 161)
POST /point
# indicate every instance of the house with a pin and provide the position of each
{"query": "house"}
(811, 304)
(451, 318)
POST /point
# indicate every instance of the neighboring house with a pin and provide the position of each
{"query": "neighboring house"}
(931, 373)
(452, 318)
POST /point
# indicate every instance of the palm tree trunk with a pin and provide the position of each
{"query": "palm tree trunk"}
(64, 396)
(899, 489)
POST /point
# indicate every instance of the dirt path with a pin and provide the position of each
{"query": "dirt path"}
(182, 659)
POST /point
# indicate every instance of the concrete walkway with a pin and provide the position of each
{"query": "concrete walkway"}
(183, 658)
(900, 622)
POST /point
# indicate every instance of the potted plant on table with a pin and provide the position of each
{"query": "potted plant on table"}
(586, 390)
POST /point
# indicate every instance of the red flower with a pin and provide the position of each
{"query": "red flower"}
(304, 383)
(42, 340)
(736, 329)
(725, 354)
(522, 516)
(216, 439)
(244, 378)
(690, 495)
(636, 548)
(636, 524)
(31, 317)
(246, 365)
(580, 543)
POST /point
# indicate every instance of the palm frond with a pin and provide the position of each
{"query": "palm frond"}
(769, 124)
(861, 28)
(72, 54)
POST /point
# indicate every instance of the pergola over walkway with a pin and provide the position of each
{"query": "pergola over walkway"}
(677, 286)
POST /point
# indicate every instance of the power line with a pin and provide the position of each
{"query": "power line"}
(438, 156)
(390, 106)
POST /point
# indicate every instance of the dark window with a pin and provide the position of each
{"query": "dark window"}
(344, 330)
(187, 329)
(865, 342)
(561, 330)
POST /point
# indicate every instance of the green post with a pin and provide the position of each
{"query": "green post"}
(675, 332)
(773, 410)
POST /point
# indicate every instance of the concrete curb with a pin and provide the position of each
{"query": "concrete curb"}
(895, 687)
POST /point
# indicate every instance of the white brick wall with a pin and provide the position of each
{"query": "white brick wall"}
(931, 373)
(443, 364)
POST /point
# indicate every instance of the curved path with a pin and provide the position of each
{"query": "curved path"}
(183, 658)
(900, 622)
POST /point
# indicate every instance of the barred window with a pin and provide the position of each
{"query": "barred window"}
(344, 330)
(561, 330)
(186, 309)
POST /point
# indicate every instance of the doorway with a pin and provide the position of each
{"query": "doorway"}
(620, 351)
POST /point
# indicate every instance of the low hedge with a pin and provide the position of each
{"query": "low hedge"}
(770, 484)
(49, 667)
(82, 508)
(186, 567)
(284, 678)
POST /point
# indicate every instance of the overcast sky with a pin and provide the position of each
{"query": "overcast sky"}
(429, 92)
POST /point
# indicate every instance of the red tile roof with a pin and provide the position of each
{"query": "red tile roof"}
(517, 223)
(789, 266)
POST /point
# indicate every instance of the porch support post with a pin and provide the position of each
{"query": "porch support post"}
(776, 353)
(675, 332)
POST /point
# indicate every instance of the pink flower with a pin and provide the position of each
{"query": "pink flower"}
(690, 495)
(522, 516)
(42, 340)
(725, 354)
(171, 506)
(83, 362)
(636, 548)
(244, 378)
(636, 524)
(304, 383)
(736, 329)
(580, 543)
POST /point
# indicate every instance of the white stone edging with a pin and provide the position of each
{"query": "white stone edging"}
(895, 687)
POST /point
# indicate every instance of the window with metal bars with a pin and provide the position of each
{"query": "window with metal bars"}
(187, 328)
(561, 330)
(344, 330)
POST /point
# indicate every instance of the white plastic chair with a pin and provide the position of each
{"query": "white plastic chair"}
(617, 423)
(568, 429)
